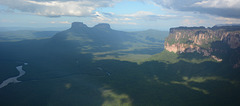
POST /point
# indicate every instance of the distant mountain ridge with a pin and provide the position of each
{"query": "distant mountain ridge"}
(97, 36)
(104, 42)
(20, 35)
(102, 34)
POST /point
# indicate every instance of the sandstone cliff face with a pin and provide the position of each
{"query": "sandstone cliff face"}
(200, 39)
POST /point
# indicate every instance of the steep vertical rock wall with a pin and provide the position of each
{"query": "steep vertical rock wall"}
(199, 39)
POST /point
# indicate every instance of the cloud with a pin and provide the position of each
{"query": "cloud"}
(207, 22)
(60, 22)
(219, 4)
(129, 19)
(227, 20)
(112, 18)
(146, 15)
(55, 8)
(110, 14)
(126, 19)
(223, 8)
(193, 22)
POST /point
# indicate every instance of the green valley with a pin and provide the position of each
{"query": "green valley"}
(100, 66)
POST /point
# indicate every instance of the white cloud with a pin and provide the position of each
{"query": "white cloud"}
(56, 8)
(146, 15)
(140, 14)
(126, 19)
(219, 3)
(60, 22)
(227, 20)
(101, 17)
(111, 18)
(129, 19)
(193, 22)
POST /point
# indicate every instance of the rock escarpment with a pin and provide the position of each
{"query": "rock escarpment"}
(190, 39)
(202, 40)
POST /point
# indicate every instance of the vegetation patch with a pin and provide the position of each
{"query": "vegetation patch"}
(113, 99)
(171, 58)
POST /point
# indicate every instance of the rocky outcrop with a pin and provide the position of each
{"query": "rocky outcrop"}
(81, 27)
(216, 58)
(201, 39)
(102, 26)
(181, 48)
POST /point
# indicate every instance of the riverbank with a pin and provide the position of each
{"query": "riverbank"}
(14, 79)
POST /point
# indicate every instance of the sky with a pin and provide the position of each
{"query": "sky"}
(120, 14)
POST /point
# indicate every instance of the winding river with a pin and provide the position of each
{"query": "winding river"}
(14, 79)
